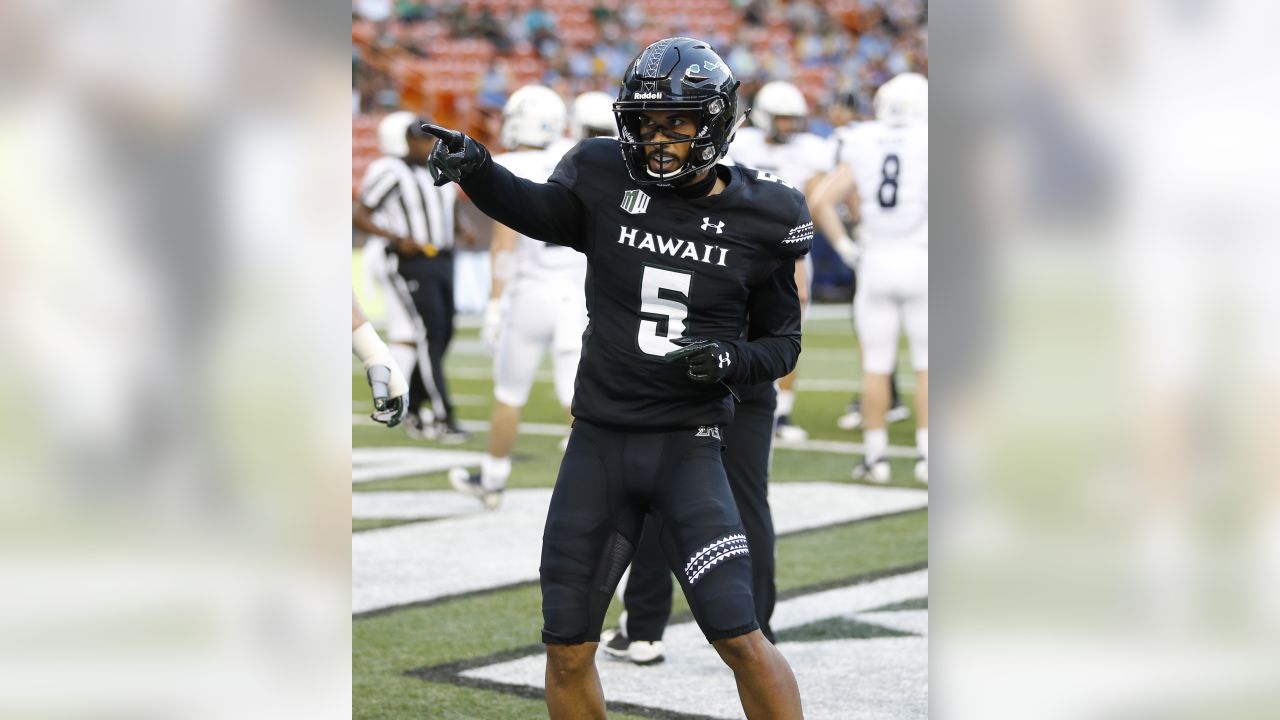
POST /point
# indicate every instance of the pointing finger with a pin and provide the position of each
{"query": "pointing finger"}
(451, 139)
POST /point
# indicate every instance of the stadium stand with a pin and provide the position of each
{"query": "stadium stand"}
(457, 60)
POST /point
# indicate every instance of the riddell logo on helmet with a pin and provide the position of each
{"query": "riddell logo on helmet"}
(646, 96)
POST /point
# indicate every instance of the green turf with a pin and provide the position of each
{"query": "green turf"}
(358, 524)
(385, 647)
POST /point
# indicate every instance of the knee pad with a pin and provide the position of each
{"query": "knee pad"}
(573, 607)
(717, 581)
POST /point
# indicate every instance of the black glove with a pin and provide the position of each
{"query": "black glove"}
(455, 156)
(708, 360)
(386, 409)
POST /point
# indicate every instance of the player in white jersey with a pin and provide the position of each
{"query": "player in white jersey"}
(889, 164)
(536, 303)
(778, 144)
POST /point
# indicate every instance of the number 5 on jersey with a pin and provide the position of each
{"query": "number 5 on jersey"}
(659, 308)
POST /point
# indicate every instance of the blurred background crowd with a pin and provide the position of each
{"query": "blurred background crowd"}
(457, 61)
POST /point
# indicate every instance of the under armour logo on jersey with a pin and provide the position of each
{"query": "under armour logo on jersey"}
(724, 360)
(708, 225)
(635, 201)
(709, 431)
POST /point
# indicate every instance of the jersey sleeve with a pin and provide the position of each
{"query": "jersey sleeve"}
(772, 345)
(379, 181)
(799, 238)
(550, 211)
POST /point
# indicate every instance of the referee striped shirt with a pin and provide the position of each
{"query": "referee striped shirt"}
(405, 201)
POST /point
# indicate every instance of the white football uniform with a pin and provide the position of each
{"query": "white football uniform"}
(891, 168)
(545, 300)
(799, 160)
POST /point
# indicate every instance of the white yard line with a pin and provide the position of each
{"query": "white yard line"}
(470, 549)
(553, 430)
(875, 679)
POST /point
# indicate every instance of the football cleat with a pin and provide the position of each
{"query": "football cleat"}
(615, 643)
(417, 428)
(852, 417)
(787, 432)
(922, 470)
(897, 413)
(448, 432)
(641, 652)
(877, 472)
(468, 483)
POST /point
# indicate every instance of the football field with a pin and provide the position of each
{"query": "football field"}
(445, 599)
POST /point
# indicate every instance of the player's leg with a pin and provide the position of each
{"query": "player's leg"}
(915, 319)
(591, 531)
(573, 684)
(399, 329)
(877, 318)
(407, 330)
(766, 685)
(646, 595)
(566, 347)
(702, 536)
(522, 341)
(438, 310)
(748, 452)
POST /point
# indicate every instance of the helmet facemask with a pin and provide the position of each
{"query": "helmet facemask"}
(707, 114)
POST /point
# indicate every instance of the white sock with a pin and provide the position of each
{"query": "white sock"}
(922, 442)
(877, 443)
(786, 403)
(494, 472)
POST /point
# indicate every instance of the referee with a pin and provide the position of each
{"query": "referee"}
(400, 202)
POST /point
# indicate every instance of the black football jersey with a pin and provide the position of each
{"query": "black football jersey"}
(662, 267)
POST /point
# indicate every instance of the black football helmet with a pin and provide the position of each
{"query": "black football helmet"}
(677, 73)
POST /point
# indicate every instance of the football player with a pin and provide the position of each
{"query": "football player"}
(778, 144)
(386, 381)
(684, 256)
(536, 302)
(888, 170)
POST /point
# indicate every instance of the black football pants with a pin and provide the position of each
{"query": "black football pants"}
(748, 447)
(609, 482)
(426, 288)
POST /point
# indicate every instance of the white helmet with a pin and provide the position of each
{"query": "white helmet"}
(392, 132)
(534, 115)
(593, 113)
(775, 99)
(904, 100)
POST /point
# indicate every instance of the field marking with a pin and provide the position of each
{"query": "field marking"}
(383, 463)
(879, 679)
(839, 447)
(419, 562)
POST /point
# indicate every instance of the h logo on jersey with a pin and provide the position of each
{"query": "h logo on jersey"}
(709, 431)
(635, 201)
(708, 225)
(724, 360)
